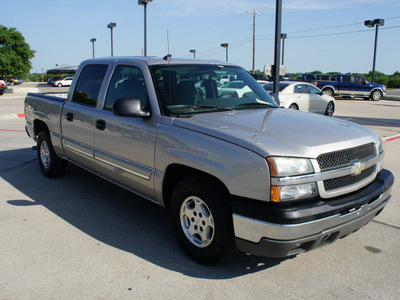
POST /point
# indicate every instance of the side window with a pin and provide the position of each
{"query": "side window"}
(89, 83)
(358, 79)
(126, 82)
(313, 89)
(300, 88)
(347, 78)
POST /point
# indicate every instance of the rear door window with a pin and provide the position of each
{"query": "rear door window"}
(88, 86)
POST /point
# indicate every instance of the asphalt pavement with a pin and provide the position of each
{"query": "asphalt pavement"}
(81, 237)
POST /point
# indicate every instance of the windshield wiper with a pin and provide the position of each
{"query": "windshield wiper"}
(256, 104)
(207, 106)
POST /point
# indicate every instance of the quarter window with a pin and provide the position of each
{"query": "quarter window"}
(89, 83)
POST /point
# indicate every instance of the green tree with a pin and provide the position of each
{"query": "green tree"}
(15, 53)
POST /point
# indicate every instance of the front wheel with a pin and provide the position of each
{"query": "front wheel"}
(202, 220)
(50, 164)
(59, 85)
(330, 109)
(376, 95)
(293, 106)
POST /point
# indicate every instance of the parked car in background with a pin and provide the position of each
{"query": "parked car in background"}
(233, 89)
(346, 85)
(304, 96)
(227, 78)
(51, 80)
(63, 82)
(2, 88)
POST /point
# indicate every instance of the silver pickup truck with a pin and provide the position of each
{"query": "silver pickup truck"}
(234, 171)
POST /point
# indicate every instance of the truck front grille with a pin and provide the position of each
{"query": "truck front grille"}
(344, 158)
(348, 180)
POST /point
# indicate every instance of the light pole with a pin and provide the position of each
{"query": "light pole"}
(372, 23)
(225, 45)
(283, 37)
(277, 50)
(111, 26)
(194, 52)
(144, 4)
(93, 40)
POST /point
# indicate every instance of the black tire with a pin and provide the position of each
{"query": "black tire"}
(328, 92)
(294, 107)
(376, 95)
(50, 164)
(59, 85)
(202, 219)
(330, 109)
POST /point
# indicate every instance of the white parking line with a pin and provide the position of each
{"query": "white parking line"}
(12, 116)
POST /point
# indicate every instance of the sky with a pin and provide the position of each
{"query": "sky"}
(323, 35)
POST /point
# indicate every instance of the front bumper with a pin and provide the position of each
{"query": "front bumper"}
(286, 230)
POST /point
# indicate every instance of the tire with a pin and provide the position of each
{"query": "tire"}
(59, 85)
(50, 164)
(376, 95)
(202, 219)
(330, 109)
(293, 106)
(328, 92)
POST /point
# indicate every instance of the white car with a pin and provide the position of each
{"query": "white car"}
(233, 89)
(63, 82)
(303, 96)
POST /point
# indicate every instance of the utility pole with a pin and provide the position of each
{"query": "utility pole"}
(254, 13)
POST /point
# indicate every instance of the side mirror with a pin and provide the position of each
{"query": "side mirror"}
(127, 107)
(276, 98)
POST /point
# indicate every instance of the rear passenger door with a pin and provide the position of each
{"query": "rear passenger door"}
(125, 145)
(78, 116)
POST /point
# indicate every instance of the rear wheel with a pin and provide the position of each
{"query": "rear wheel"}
(376, 95)
(59, 85)
(330, 109)
(328, 92)
(293, 106)
(202, 220)
(50, 164)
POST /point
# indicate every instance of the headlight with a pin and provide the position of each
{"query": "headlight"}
(289, 166)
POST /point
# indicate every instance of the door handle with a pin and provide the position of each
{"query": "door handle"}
(70, 116)
(100, 124)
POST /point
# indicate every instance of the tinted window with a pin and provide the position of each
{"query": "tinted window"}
(126, 82)
(347, 78)
(88, 86)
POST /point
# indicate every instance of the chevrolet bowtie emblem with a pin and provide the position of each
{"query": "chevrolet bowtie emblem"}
(357, 168)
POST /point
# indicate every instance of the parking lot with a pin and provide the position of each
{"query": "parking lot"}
(80, 237)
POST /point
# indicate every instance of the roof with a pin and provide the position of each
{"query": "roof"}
(63, 69)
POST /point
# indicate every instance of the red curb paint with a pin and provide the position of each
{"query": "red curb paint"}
(391, 138)
(21, 115)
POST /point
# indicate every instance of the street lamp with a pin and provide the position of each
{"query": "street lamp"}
(93, 40)
(283, 37)
(144, 3)
(370, 24)
(194, 52)
(111, 26)
(225, 45)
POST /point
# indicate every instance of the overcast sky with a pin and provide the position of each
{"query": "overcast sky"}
(323, 35)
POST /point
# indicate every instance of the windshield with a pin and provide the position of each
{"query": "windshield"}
(191, 89)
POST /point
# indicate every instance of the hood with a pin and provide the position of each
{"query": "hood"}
(279, 131)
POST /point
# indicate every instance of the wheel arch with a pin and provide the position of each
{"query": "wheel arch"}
(39, 126)
(176, 172)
